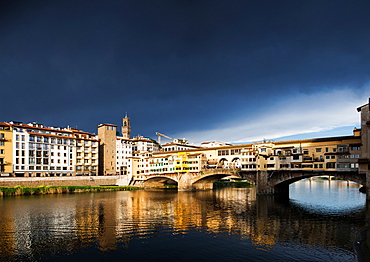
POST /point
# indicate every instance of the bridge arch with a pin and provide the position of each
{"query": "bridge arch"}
(278, 182)
(235, 162)
(206, 182)
(222, 162)
(157, 181)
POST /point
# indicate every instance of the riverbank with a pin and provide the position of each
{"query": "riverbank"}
(43, 190)
(92, 181)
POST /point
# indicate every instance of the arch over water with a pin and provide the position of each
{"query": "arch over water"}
(279, 181)
(191, 180)
(157, 181)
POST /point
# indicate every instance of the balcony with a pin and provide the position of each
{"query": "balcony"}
(3, 139)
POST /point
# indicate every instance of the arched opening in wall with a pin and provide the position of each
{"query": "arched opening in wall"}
(235, 163)
(223, 163)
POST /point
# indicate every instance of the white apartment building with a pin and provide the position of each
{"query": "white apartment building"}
(123, 156)
(40, 151)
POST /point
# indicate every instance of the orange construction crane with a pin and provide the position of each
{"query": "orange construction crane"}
(159, 137)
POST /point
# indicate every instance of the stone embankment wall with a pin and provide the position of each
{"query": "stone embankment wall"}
(58, 181)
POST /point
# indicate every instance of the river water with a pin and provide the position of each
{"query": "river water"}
(319, 222)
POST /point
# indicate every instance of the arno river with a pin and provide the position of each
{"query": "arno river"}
(320, 222)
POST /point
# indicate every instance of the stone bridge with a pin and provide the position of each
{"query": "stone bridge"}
(267, 182)
(192, 180)
(277, 182)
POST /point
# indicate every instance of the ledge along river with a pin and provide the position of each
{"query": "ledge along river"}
(319, 222)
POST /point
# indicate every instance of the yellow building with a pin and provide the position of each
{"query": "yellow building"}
(6, 150)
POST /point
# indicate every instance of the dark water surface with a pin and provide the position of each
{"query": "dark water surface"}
(319, 222)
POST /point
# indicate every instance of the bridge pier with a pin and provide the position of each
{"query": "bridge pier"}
(185, 183)
(263, 187)
(367, 186)
(266, 187)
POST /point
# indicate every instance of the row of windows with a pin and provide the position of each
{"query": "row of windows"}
(45, 161)
(40, 161)
(86, 161)
(86, 154)
(23, 137)
(124, 152)
(190, 162)
(86, 168)
(223, 152)
(39, 153)
(46, 168)
(248, 153)
(50, 140)
(161, 170)
(44, 146)
(348, 156)
(249, 166)
(328, 165)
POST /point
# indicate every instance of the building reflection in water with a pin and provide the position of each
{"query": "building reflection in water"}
(62, 223)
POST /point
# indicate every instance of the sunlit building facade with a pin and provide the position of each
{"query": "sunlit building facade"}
(38, 151)
(6, 149)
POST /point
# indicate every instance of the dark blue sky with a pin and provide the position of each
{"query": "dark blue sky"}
(204, 70)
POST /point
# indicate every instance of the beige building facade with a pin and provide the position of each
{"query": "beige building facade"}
(107, 134)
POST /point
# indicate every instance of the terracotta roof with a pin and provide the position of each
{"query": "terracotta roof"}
(43, 134)
(177, 144)
(324, 139)
(122, 138)
(359, 108)
(42, 128)
(106, 125)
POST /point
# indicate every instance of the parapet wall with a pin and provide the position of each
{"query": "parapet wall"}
(58, 181)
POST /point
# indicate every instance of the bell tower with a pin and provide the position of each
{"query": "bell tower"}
(126, 128)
